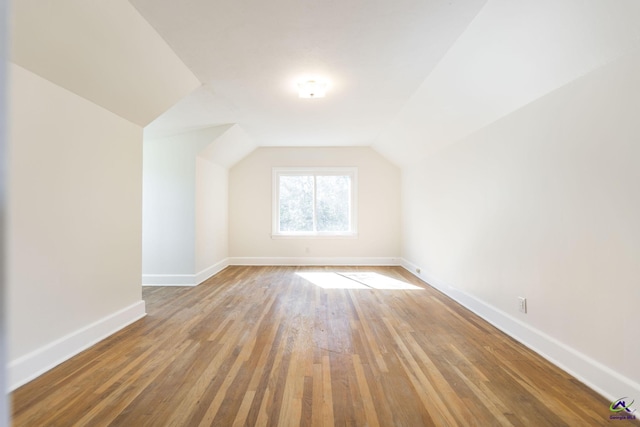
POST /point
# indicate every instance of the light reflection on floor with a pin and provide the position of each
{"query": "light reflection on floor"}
(359, 280)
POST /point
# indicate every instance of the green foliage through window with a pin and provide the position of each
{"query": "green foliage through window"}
(314, 203)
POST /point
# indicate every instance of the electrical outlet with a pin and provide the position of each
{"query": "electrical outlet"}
(522, 304)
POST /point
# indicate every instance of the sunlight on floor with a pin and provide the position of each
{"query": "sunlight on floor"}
(363, 280)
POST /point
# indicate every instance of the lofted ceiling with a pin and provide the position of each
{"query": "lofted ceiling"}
(249, 53)
(103, 51)
(513, 53)
(408, 77)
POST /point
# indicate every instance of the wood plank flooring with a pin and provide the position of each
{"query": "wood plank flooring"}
(264, 346)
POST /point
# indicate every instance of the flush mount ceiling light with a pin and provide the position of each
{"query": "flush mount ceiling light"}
(312, 89)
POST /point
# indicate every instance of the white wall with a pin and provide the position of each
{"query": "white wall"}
(211, 204)
(105, 52)
(4, 33)
(97, 72)
(74, 224)
(512, 53)
(544, 204)
(185, 203)
(250, 206)
(168, 231)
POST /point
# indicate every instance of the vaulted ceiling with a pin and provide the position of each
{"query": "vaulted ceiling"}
(407, 77)
(249, 55)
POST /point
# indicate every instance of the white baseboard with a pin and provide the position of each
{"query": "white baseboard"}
(28, 367)
(168, 280)
(304, 261)
(602, 379)
(196, 279)
(211, 271)
(184, 279)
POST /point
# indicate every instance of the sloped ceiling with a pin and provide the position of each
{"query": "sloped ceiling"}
(511, 54)
(103, 51)
(249, 54)
(407, 77)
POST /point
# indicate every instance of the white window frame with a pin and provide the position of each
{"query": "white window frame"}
(315, 171)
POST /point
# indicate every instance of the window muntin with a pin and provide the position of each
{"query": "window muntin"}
(314, 202)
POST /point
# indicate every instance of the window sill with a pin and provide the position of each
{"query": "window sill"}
(315, 236)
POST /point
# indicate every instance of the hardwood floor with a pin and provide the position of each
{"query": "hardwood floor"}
(265, 346)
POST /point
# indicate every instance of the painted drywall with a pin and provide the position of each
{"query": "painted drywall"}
(105, 52)
(229, 148)
(374, 53)
(512, 53)
(185, 203)
(250, 201)
(74, 227)
(168, 230)
(4, 35)
(211, 211)
(544, 204)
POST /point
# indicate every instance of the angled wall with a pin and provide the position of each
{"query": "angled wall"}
(86, 76)
(511, 54)
(74, 224)
(544, 204)
(185, 204)
(105, 52)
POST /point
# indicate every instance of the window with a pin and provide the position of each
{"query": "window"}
(314, 202)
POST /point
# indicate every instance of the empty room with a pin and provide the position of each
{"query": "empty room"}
(312, 212)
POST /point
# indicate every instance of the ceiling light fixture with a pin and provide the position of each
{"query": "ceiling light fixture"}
(312, 89)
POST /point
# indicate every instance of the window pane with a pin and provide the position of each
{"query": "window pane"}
(332, 203)
(296, 203)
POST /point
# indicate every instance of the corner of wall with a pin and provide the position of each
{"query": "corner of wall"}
(211, 271)
(185, 279)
